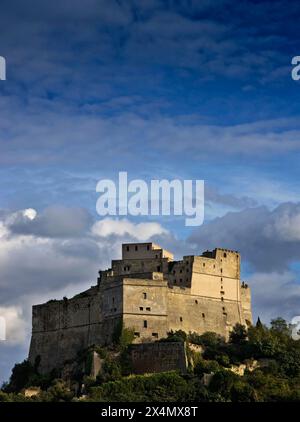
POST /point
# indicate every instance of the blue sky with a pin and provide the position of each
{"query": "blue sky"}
(161, 89)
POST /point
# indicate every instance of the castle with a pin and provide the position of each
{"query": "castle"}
(148, 291)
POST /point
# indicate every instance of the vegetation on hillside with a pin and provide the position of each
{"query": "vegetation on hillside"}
(269, 359)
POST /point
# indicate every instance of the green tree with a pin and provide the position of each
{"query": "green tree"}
(20, 376)
(238, 334)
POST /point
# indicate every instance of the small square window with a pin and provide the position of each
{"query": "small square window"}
(136, 334)
(148, 309)
(141, 308)
(155, 335)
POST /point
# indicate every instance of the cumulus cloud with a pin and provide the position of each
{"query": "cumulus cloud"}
(141, 231)
(285, 223)
(275, 294)
(15, 326)
(267, 239)
(55, 221)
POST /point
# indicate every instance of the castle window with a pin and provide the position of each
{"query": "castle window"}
(141, 308)
(225, 254)
(148, 309)
(156, 256)
(180, 271)
(221, 270)
(187, 270)
(180, 280)
(174, 272)
(136, 334)
(222, 298)
(127, 248)
(158, 268)
(136, 248)
(155, 335)
(222, 292)
(145, 295)
(223, 308)
(181, 319)
(148, 247)
(113, 300)
(221, 279)
(196, 301)
(203, 264)
(145, 324)
(115, 309)
(203, 315)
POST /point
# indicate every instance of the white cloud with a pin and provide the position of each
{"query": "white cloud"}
(275, 294)
(286, 225)
(141, 232)
(267, 239)
(15, 326)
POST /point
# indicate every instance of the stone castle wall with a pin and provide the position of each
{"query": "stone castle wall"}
(151, 295)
